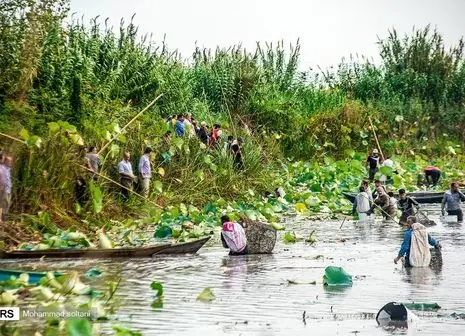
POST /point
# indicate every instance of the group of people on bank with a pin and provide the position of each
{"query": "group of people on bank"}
(179, 125)
(430, 177)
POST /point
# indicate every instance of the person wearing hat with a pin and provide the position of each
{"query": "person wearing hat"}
(372, 164)
(145, 171)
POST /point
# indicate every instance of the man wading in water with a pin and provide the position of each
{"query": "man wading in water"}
(452, 199)
(415, 247)
(407, 205)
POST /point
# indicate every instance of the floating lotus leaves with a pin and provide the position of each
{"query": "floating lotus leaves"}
(206, 295)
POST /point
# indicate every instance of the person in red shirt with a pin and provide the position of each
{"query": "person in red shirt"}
(432, 175)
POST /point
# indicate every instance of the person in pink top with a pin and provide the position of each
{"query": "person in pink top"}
(233, 237)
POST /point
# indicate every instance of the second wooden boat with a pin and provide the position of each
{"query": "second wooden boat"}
(139, 252)
(423, 197)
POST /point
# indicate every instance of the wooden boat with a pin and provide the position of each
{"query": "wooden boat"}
(34, 277)
(423, 197)
(139, 252)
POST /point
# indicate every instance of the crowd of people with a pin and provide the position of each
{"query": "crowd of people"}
(180, 126)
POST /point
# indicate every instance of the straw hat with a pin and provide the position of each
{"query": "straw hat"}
(375, 151)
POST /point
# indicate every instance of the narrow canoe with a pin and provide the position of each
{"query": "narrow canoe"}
(34, 277)
(423, 197)
(140, 252)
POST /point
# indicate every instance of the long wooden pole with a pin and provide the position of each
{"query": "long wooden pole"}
(129, 123)
(118, 184)
(13, 138)
(376, 138)
(376, 205)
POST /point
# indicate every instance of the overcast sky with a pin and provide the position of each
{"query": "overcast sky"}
(328, 29)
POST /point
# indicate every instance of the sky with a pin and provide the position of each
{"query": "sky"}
(328, 29)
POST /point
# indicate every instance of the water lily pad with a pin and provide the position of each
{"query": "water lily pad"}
(157, 287)
(206, 295)
(422, 306)
(300, 208)
(93, 273)
(123, 331)
(78, 327)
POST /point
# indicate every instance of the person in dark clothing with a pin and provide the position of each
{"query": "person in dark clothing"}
(432, 175)
(80, 190)
(372, 164)
(237, 157)
(407, 205)
(227, 145)
(203, 133)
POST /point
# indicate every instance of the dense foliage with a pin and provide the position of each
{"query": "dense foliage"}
(72, 85)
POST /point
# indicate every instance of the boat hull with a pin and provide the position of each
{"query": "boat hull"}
(420, 197)
(142, 252)
(34, 277)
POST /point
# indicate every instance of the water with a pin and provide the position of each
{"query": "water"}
(253, 296)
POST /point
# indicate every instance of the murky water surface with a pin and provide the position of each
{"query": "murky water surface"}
(253, 296)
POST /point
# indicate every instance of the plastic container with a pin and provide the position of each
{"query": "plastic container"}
(336, 276)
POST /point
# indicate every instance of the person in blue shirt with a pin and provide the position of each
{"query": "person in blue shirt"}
(180, 128)
(405, 247)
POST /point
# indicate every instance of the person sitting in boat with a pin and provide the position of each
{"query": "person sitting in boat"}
(452, 199)
(407, 205)
(383, 201)
(432, 175)
(233, 237)
(415, 247)
(362, 202)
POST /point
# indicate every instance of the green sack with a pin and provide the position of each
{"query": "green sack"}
(336, 276)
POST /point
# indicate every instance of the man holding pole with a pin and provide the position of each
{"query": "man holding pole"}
(372, 164)
(145, 171)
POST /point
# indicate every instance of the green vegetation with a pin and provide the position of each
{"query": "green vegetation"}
(67, 85)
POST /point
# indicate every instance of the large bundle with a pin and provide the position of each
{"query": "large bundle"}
(261, 237)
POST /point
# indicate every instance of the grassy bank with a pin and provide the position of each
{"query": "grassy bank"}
(67, 85)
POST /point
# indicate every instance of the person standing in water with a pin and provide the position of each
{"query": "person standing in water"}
(372, 164)
(452, 199)
(415, 247)
(407, 205)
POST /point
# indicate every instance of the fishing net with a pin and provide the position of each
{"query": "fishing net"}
(261, 237)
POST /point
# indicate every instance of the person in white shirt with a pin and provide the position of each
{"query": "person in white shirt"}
(387, 163)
